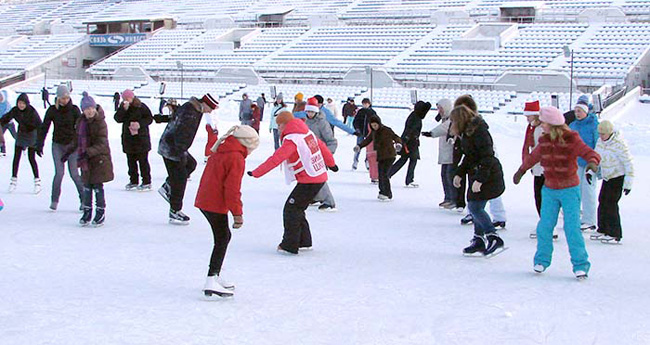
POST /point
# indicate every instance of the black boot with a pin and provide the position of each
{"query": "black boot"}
(477, 246)
(494, 243)
(99, 217)
(85, 218)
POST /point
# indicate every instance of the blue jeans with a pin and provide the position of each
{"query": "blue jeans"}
(482, 221)
(447, 175)
(276, 138)
(569, 200)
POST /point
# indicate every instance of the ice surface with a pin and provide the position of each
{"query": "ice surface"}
(380, 273)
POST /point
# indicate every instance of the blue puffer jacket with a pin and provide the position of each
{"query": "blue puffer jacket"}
(4, 105)
(588, 130)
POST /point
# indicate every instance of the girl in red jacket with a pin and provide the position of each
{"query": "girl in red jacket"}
(219, 193)
(557, 152)
(305, 159)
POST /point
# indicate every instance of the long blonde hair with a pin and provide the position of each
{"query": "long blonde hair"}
(557, 132)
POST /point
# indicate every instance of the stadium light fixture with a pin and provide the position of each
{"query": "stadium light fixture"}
(179, 64)
(568, 53)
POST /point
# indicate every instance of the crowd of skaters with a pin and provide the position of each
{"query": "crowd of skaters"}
(567, 154)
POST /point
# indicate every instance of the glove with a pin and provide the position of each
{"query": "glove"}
(39, 152)
(476, 187)
(627, 191)
(593, 167)
(334, 168)
(249, 173)
(518, 175)
(64, 158)
(426, 134)
(358, 133)
(398, 147)
(356, 149)
(589, 176)
(457, 181)
(451, 140)
(238, 222)
(438, 118)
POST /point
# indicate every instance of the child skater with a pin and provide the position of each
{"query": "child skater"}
(617, 171)
(386, 143)
(557, 151)
(93, 158)
(305, 159)
(219, 193)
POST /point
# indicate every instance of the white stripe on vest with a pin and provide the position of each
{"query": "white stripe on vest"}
(311, 159)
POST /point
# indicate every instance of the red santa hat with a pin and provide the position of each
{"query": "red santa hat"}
(531, 108)
(312, 105)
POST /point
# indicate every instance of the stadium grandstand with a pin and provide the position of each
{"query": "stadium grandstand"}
(504, 52)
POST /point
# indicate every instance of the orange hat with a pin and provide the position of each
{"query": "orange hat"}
(299, 96)
(284, 117)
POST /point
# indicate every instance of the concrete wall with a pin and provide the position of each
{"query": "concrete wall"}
(540, 81)
(68, 65)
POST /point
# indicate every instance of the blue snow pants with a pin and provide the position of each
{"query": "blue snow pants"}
(569, 200)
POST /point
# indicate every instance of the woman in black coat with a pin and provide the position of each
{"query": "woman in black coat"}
(411, 139)
(485, 177)
(28, 123)
(135, 118)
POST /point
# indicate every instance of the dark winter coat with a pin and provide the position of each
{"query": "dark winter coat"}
(479, 162)
(360, 123)
(181, 130)
(100, 166)
(64, 119)
(349, 110)
(413, 127)
(137, 112)
(383, 140)
(220, 187)
(28, 123)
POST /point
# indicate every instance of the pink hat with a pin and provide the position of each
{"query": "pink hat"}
(128, 93)
(551, 115)
(312, 105)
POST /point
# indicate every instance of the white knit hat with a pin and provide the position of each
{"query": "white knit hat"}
(246, 136)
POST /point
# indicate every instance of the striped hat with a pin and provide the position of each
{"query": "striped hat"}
(210, 101)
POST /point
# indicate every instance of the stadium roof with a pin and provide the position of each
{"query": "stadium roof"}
(128, 19)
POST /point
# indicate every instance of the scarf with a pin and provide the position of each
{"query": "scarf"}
(529, 141)
(84, 139)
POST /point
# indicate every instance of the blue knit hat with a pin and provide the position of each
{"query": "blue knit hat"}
(584, 99)
(87, 101)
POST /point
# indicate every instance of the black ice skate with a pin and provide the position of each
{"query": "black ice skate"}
(178, 218)
(477, 246)
(164, 191)
(85, 218)
(99, 217)
(467, 220)
(495, 245)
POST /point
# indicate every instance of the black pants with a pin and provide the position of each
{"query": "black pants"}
(384, 167)
(538, 184)
(296, 228)
(177, 173)
(412, 158)
(460, 192)
(609, 219)
(142, 159)
(31, 154)
(100, 200)
(221, 235)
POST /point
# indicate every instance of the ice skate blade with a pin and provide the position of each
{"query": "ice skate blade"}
(612, 242)
(474, 255)
(496, 252)
(216, 295)
(178, 222)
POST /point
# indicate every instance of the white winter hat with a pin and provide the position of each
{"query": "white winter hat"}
(246, 136)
